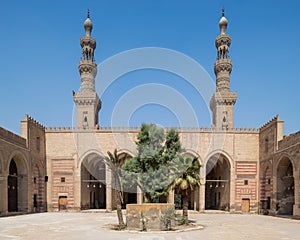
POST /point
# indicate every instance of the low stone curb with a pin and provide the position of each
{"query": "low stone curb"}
(194, 228)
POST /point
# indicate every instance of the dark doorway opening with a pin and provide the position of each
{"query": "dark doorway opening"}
(13, 187)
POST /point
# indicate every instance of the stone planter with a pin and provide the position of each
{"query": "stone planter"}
(148, 216)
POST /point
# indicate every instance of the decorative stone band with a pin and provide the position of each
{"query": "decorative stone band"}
(88, 67)
(223, 39)
(223, 98)
(223, 82)
(82, 101)
(223, 65)
(131, 129)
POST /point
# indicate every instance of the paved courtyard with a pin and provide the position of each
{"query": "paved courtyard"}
(87, 226)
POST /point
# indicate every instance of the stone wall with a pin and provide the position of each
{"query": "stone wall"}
(146, 217)
(66, 147)
(30, 163)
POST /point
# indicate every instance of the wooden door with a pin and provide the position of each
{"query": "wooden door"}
(245, 205)
(12, 193)
(62, 203)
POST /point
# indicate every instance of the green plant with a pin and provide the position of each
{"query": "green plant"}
(114, 163)
(150, 168)
(144, 222)
(186, 181)
(167, 218)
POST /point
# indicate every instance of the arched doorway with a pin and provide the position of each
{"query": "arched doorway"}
(12, 187)
(266, 190)
(285, 187)
(93, 182)
(17, 185)
(217, 188)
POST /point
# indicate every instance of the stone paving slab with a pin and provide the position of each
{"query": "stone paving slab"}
(91, 226)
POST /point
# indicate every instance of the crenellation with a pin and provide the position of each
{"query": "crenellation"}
(270, 122)
(34, 122)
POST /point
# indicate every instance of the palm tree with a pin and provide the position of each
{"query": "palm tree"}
(186, 181)
(114, 163)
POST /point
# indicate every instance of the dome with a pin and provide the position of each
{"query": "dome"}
(223, 21)
(88, 24)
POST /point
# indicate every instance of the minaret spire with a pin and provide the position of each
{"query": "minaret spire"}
(222, 102)
(87, 101)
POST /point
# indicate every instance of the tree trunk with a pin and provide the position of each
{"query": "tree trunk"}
(119, 211)
(185, 205)
(119, 200)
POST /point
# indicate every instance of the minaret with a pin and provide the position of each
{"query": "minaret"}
(87, 101)
(223, 100)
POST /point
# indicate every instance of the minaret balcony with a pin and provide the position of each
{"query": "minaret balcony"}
(88, 41)
(87, 66)
(223, 65)
(223, 39)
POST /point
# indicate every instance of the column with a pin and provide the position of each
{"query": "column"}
(202, 196)
(3, 200)
(139, 195)
(274, 193)
(232, 190)
(108, 191)
(195, 198)
(171, 196)
(296, 210)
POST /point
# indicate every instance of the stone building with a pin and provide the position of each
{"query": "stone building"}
(243, 170)
(23, 169)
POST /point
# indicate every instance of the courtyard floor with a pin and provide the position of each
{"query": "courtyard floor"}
(91, 226)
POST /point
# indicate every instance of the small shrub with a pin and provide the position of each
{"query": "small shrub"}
(167, 218)
(144, 222)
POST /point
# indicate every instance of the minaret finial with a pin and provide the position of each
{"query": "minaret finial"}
(88, 15)
(223, 11)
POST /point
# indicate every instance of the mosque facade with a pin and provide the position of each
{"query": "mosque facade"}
(63, 168)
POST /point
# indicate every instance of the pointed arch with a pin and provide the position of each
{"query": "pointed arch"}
(21, 161)
(285, 170)
(93, 180)
(17, 179)
(219, 171)
(91, 152)
(125, 151)
(286, 155)
(219, 152)
(193, 153)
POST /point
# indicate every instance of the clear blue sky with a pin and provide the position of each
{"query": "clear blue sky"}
(40, 51)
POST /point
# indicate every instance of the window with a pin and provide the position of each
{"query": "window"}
(266, 145)
(38, 143)
(246, 182)
(269, 181)
(63, 179)
(34, 180)
(85, 120)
